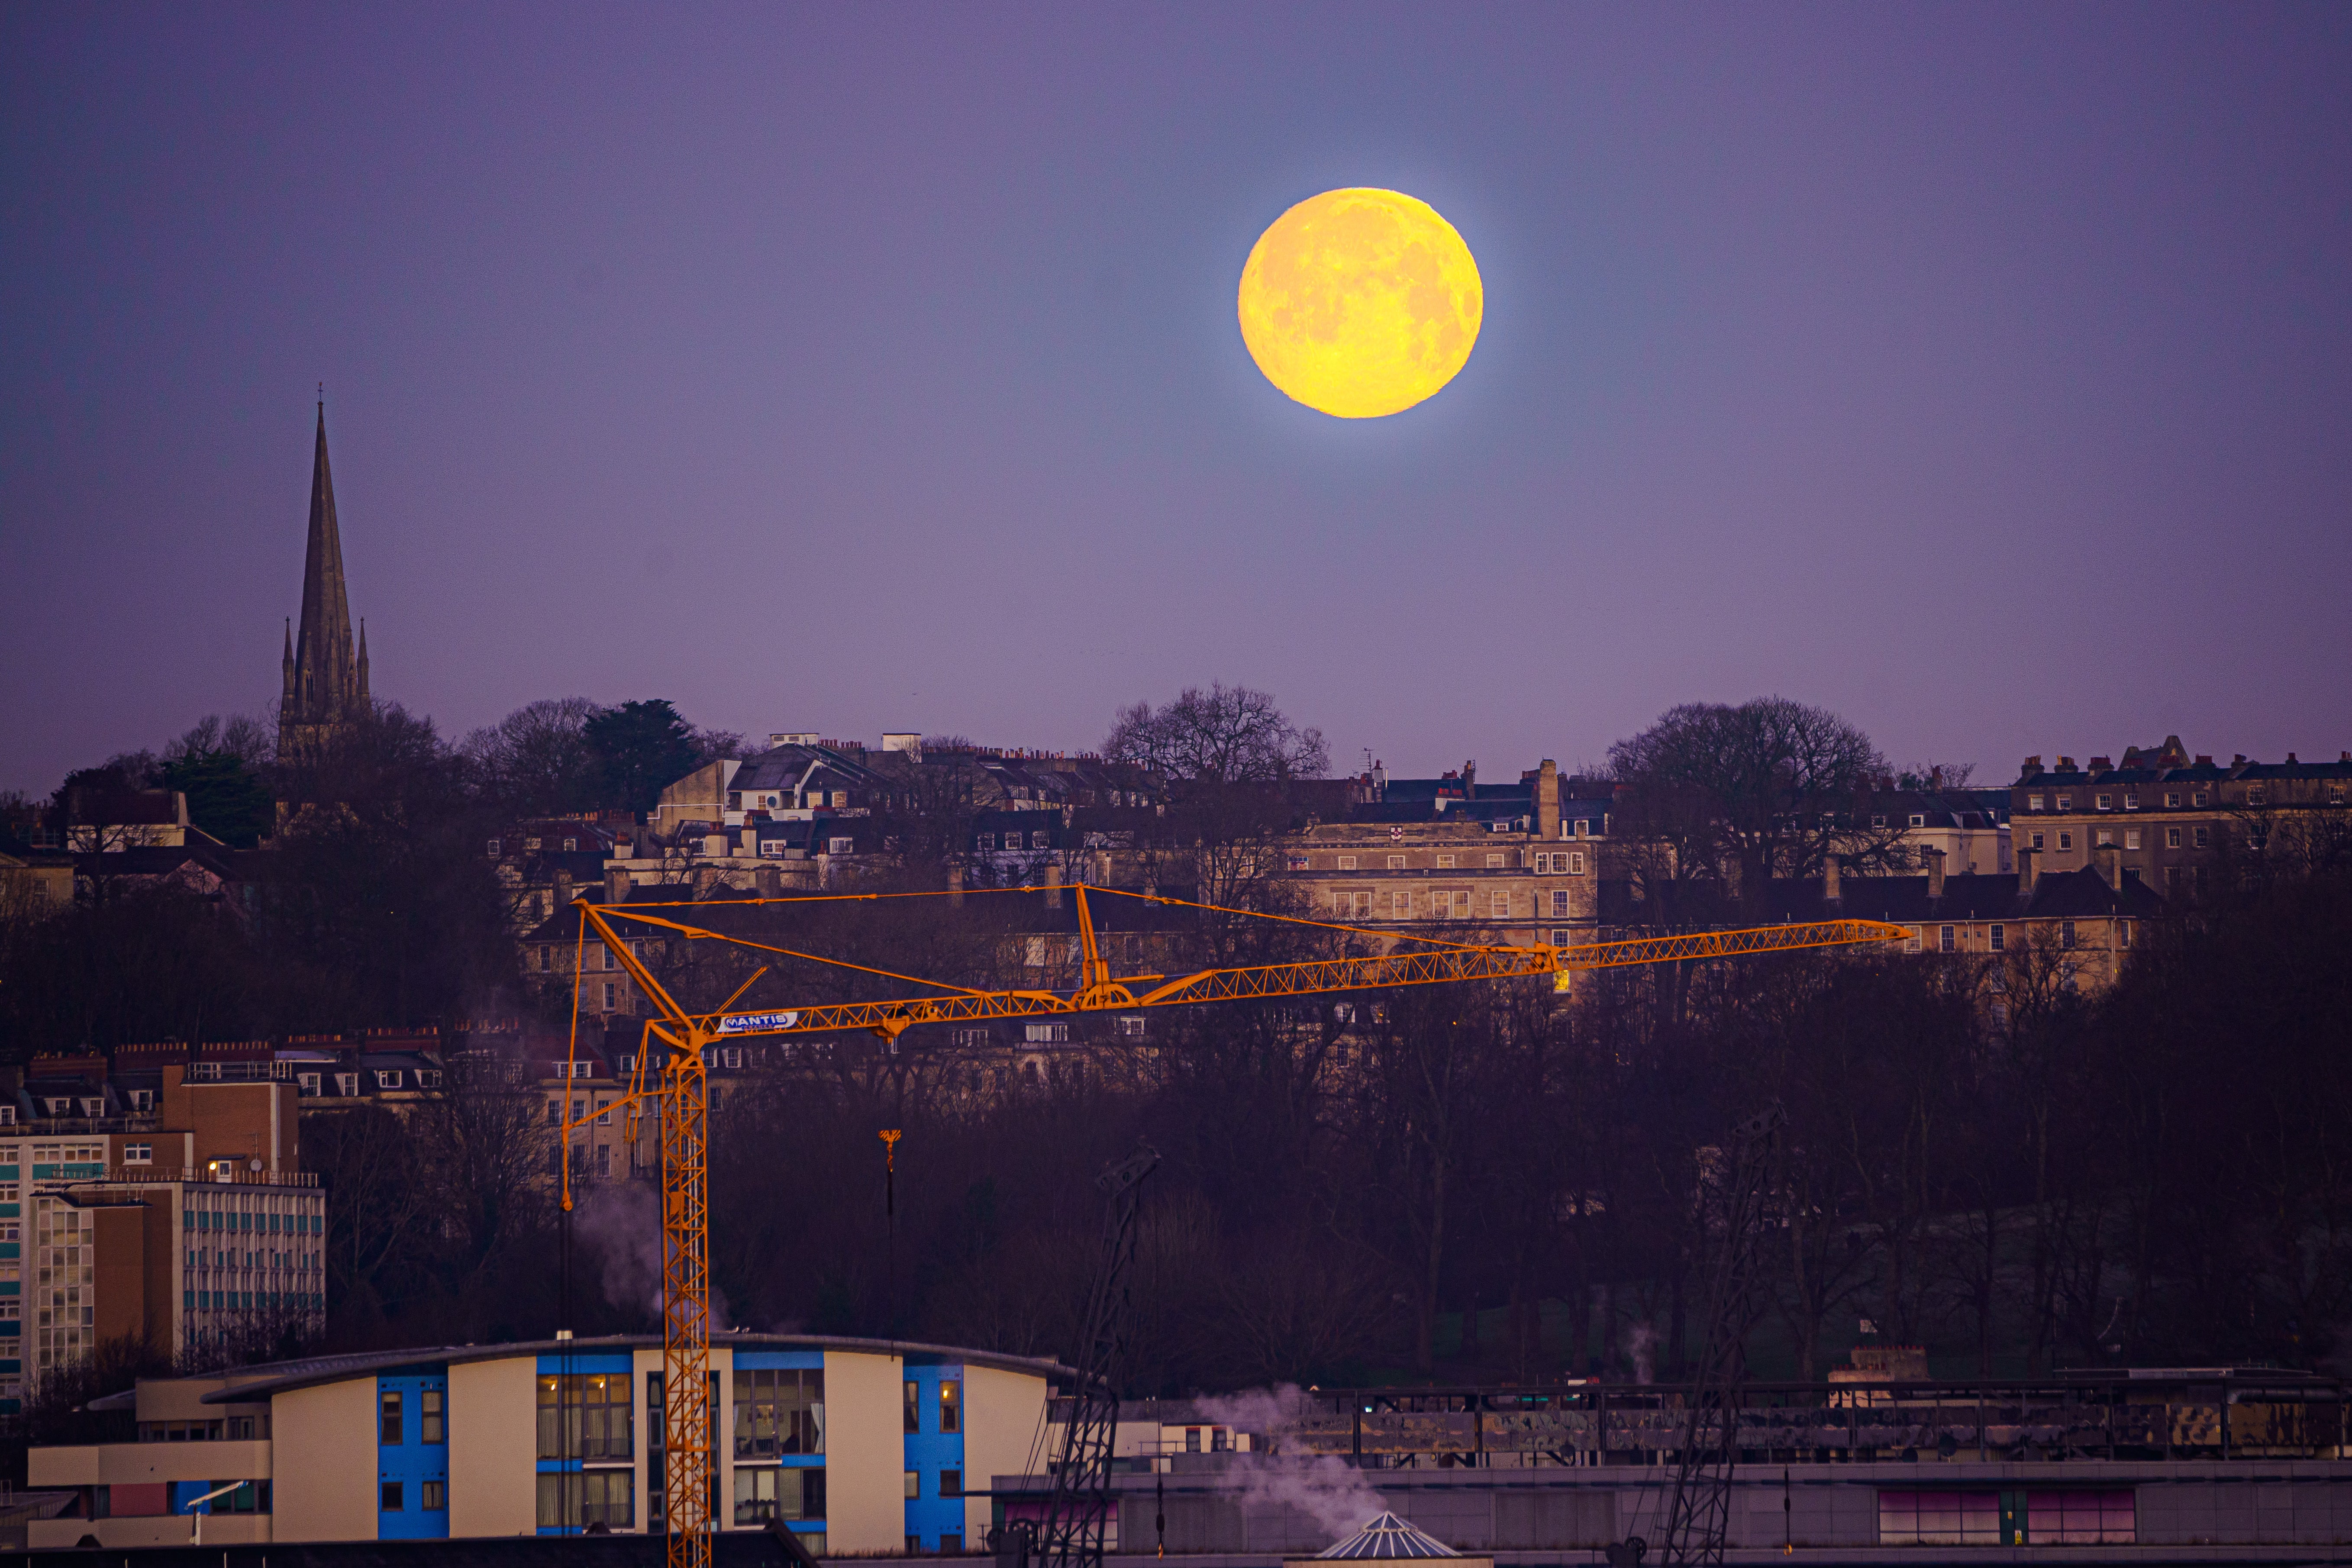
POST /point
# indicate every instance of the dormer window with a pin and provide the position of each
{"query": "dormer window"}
(1918, 819)
(2105, 801)
(428, 1078)
(347, 1083)
(570, 844)
(494, 847)
(2172, 800)
(143, 1099)
(1878, 821)
(2065, 803)
(57, 1105)
(306, 1084)
(93, 1106)
(2131, 803)
(2197, 799)
(2033, 803)
(530, 843)
(389, 1078)
(2256, 795)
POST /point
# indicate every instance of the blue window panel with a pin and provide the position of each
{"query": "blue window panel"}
(928, 1452)
(800, 1361)
(10, 1330)
(413, 1461)
(9, 1248)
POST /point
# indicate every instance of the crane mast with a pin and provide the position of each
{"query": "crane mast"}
(679, 1088)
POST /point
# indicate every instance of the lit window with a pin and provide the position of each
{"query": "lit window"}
(950, 1420)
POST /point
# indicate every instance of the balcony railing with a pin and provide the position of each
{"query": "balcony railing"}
(199, 1176)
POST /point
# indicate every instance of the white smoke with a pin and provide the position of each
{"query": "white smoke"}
(1643, 1341)
(619, 1225)
(1326, 1490)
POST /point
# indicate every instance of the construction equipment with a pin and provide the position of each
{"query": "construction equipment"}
(1699, 1517)
(679, 1088)
(1079, 1507)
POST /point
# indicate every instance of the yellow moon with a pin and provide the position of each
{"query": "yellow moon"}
(1360, 302)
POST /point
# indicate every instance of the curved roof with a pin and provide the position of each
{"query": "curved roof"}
(249, 1384)
(1389, 1536)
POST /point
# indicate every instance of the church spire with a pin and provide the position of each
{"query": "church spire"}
(325, 686)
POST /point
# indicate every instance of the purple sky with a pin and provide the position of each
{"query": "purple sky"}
(1983, 372)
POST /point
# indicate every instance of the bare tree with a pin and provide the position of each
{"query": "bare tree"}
(1225, 736)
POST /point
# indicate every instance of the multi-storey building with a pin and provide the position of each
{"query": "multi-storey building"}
(2167, 819)
(175, 1216)
(857, 1446)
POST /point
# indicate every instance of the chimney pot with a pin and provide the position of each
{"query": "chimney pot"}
(1054, 885)
(1830, 893)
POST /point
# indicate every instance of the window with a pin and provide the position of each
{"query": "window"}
(1401, 904)
(2066, 841)
(570, 844)
(1347, 862)
(1946, 940)
(1584, 827)
(2172, 800)
(2037, 841)
(914, 1486)
(2079, 1519)
(2197, 797)
(347, 1083)
(1500, 903)
(766, 1494)
(578, 1500)
(1878, 820)
(389, 1422)
(609, 997)
(1576, 863)
(2131, 837)
(2066, 935)
(1913, 941)
(1939, 1519)
(1997, 939)
(2065, 803)
(1560, 904)
(779, 1410)
(1492, 861)
(950, 1483)
(2123, 932)
(143, 1099)
(2336, 794)
(1396, 862)
(1559, 939)
(2131, 801)
(2256, 795)
(912, 1410)
(1918, 819)
(2204, 839)
(387, 1080)
(2105, 801)
(433, 1496)
(432, 1418)
(494, 847)
(389, 1497)
(1048, 1034)
(2033, 803)
(2104, 836)
(138, 1153)
(1131, 1027)
(585, 1416)
(306, 1084)
(951, 1415)
(2172, 838)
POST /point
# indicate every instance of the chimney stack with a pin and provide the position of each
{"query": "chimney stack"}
(2110, 863)
(768, 880)
(1830, 894)
(2028, 870)
(562, 889)
(616, 885)
(1934, 873)
(1548, 800)
(1054, 885)
(1470, 779)
(955, 885)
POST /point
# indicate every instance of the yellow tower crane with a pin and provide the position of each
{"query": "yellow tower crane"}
(679, 1089)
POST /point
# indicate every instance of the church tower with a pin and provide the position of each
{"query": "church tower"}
(326, 671)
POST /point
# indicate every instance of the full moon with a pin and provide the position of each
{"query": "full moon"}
(1360, 302)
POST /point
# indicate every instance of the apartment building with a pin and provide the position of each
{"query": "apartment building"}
(856, 1446)
(2168, 818)
(176, 1214)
